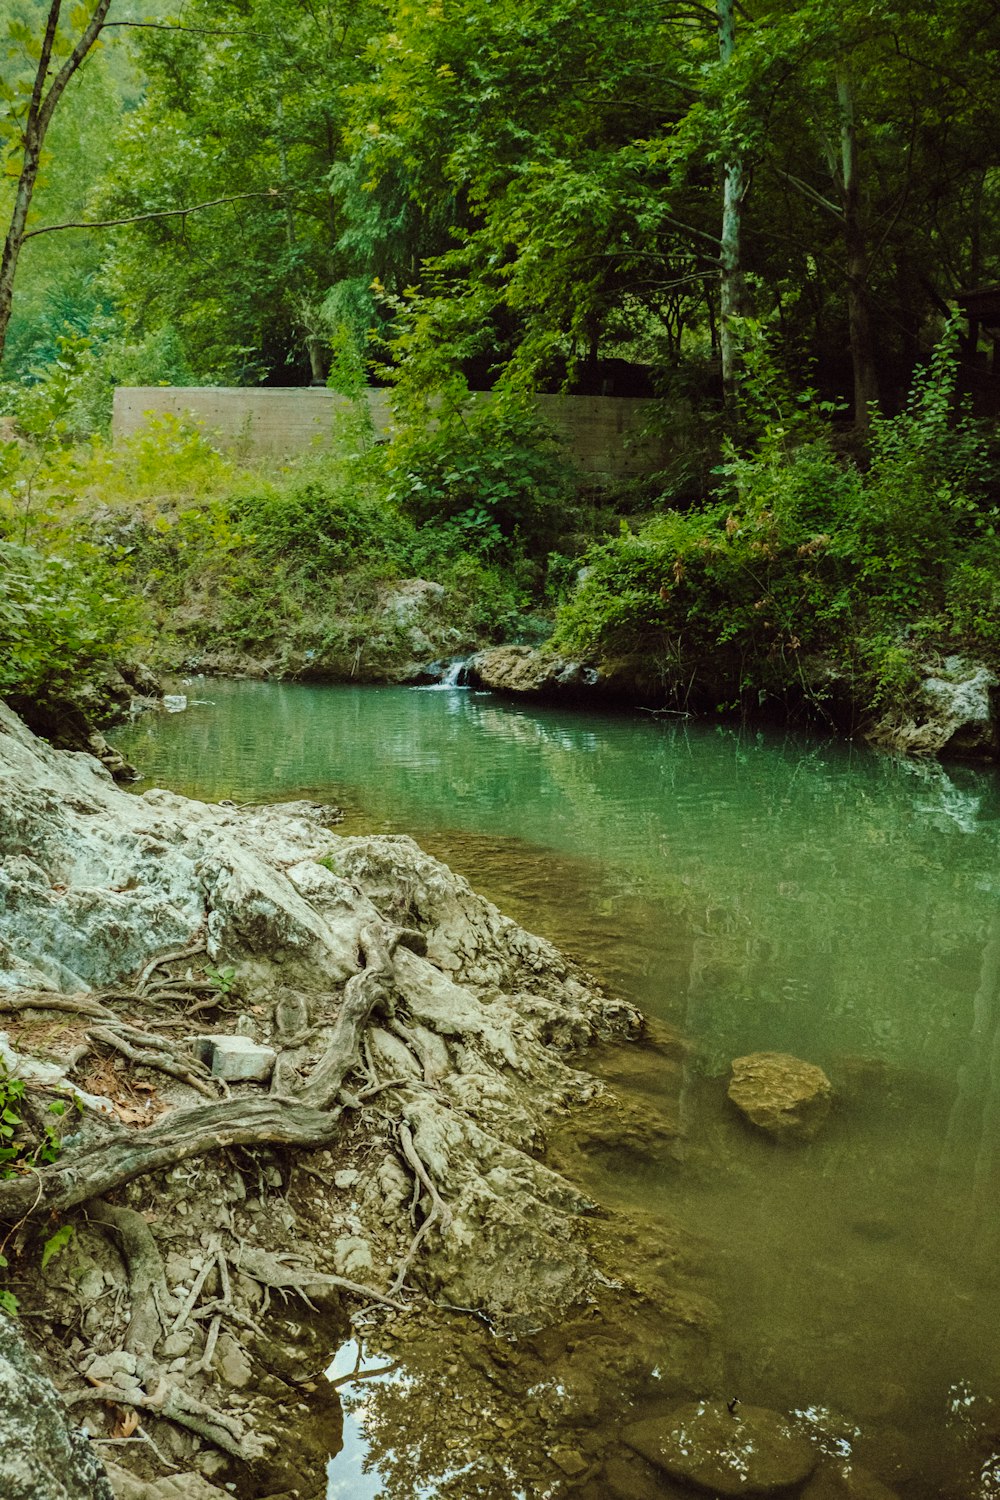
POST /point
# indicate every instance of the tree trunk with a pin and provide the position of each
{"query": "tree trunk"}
(732, 297)
(855, 245)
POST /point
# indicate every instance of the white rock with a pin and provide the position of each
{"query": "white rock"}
(237, 1059)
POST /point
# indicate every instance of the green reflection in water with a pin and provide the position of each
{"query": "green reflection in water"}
(758, 891)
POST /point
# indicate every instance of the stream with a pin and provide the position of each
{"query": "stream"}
(756, 891)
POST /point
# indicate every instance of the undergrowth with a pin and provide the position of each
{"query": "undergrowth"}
(806, 569)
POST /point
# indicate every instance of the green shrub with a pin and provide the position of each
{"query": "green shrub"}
(803, 551)
(62, 622)
(487, 468)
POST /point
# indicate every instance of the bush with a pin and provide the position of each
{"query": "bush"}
(802, 550)
(488, 468)
(62, 623)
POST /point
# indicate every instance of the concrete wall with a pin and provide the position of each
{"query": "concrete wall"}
(605, 435)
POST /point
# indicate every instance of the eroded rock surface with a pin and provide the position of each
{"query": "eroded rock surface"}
(747, 1451)
(43, 1456)
(781, 1094)
(188, 1282)
(954, 713)
(522, 669)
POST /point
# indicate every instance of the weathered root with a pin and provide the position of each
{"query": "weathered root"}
(196, 1290)
(175, 1137)
(271, 1271)
(147, 1282)
(439, 1213)
(373, 986)
(310, 1119)
(165, 1398)
(77, 1005)
(175, 956)
(192, 1072)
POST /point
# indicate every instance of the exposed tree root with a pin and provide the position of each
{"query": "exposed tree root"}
(175, 956)
(175, 1137)
(310, 1119)
(77, 1005)
(439, 1213)
(192, 1072)
(272, 1271)
(147, 1282)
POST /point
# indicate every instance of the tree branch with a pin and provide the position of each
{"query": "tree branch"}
(810, 193)
(163, 213)
(195, 30)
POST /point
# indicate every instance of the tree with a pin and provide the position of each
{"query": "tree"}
(247, 95)
(732, 294)
(27, 117)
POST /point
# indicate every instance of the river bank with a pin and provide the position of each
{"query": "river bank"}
(420, 1050)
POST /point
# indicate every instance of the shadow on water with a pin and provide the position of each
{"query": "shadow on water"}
(754, 891)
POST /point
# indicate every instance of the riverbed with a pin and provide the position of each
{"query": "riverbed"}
(752, 890)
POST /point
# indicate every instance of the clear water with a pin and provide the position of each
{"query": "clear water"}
(758, 891)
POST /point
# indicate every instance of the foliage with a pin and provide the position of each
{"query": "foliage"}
(805, 554)
(63, 622)
(16, 1153)
(488, 470)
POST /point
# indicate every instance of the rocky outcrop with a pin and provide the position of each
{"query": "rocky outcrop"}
(523, 669)
(954, 712)
(746, 1450)
(411, 1025)
(780, 1094)
(43, 1456)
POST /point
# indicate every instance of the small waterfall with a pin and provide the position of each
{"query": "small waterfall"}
(456, 674)
(446, 674)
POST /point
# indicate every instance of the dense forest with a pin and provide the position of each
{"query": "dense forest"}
(780, 223)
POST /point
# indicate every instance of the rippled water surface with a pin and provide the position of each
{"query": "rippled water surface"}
(757, 891)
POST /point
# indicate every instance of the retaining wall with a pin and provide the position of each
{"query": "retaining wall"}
(606, 436)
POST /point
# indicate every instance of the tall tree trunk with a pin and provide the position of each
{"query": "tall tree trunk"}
(856, 250)
(732, 296)
(45, 95)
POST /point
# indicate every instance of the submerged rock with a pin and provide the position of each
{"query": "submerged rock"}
(783, 1095)
(747, 1451)
(846, 1480)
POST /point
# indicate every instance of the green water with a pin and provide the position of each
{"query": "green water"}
(757, 891)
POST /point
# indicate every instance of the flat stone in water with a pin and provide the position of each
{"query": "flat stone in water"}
(751, 1451)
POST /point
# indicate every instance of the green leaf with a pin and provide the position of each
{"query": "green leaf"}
(56, 1243)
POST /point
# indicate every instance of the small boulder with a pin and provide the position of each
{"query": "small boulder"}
(747, 1451)
(783, 1095)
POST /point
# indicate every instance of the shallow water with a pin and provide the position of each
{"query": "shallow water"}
(757, 891)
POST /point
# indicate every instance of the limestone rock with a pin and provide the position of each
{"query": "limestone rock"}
(954, 713)
(43, 1456)
(187, 1486)
(237, 1059)
(521, 669)
(751, 1451)
(781, 1094)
